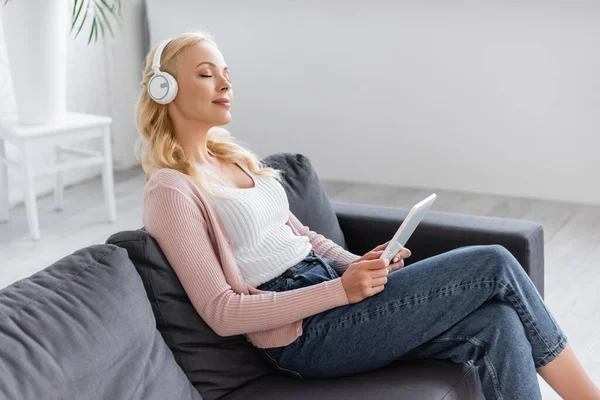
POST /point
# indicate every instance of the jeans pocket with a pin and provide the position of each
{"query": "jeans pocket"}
(310, 271)
(327, 265)
(281, 286)
(278, 285)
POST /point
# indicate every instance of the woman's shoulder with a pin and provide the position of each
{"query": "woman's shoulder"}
(170, 179)
(170, 197)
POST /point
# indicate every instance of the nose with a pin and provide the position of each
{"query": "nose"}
(226, 86)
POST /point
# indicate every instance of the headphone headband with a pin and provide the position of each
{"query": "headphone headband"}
(157, 54)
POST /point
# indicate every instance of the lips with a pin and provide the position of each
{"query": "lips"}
(225, 102)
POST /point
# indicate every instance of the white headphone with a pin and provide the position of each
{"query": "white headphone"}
(162, 86)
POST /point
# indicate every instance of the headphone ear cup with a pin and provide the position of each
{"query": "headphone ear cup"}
(162, 87)
(173, 88)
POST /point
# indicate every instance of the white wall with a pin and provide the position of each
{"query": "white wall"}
(497, 97)
(125, 53)
(100, 77)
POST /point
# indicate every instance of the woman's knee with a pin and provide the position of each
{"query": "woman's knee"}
(501, 258)
(500, 253)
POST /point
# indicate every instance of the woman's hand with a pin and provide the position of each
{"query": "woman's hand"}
(365, 277)
(398, 260)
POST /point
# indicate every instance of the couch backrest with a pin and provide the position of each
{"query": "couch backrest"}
(83, 329)
(307, 197)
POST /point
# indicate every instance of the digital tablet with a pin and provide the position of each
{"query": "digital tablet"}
(407, 227)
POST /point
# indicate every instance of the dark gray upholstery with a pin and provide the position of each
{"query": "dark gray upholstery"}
(214, 364)
(415, 380)
(83, 329)
(90, 332)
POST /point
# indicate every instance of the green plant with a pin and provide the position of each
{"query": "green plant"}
(99, 16)
(99, 10)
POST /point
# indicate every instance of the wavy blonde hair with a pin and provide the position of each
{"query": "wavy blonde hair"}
(157, 147)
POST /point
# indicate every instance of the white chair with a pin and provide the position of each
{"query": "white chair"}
(73, 127)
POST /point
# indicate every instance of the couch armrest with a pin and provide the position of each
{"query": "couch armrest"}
(366, 226)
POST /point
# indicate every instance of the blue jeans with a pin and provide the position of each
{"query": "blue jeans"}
(473, 304)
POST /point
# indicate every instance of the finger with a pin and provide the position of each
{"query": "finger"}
(379, 281)
(377, 289)
(380, 263)
(378, 273)
(397, 265)
(372, 255)
(405, 253)
(382, 246)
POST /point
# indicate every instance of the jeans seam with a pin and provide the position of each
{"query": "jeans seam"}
(395, 304)
(553, 353)
(280, 367)
(476, 342)
(487, 362)
(534, 288)
(512, 294)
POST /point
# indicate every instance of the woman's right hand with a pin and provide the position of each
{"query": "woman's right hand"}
(365, 277)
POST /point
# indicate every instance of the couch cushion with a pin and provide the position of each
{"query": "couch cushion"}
(307, 197)
(410, 380)
(83, 329)
(215, 365)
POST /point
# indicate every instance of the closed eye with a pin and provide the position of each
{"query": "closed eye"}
(210, 76)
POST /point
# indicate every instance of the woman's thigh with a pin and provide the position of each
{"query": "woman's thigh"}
(419, 302)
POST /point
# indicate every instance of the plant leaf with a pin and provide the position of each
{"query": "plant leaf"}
(110, 8)
(82, 22)
(101, 12)
(94, 29)
(74, 8)
(76, 17)
(101, 25)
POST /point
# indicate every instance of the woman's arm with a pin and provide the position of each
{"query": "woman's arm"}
(176, 222)
(340, 257)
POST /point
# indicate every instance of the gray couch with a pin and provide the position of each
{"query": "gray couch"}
(111, 321)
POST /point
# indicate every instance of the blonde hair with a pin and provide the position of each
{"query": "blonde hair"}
(157, 147)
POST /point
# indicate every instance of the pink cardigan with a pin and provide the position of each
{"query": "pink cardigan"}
(191, 233)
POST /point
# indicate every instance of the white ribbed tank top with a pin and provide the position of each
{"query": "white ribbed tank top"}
(264, 246)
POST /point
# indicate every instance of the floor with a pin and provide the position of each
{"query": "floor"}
(572, 241)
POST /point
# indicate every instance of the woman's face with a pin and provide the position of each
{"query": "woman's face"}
(203, 80)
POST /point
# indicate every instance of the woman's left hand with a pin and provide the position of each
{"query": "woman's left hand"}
(397, 261)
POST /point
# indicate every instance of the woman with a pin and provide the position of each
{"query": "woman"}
(313, 309)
